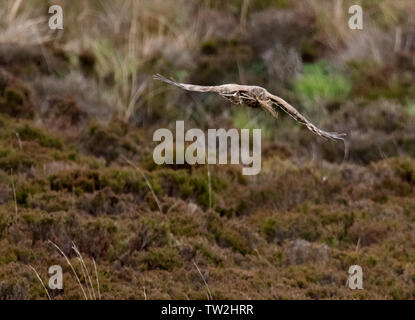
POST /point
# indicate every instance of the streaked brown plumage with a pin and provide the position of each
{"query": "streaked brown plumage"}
(255, 97)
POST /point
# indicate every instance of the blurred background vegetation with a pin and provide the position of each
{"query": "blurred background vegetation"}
(75, 103)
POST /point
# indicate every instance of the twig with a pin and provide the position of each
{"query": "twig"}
(96, 275)
(244, 13)
(13, 12)
(144, 293)
(18, 140)
(85, 277)
(174, 205)
(209, 186)
(41, 281)
(14, 192)
(74, 247)
(358, 245)
(203, 278)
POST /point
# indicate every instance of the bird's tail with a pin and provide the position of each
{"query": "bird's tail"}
(332, 136)
(326, 134)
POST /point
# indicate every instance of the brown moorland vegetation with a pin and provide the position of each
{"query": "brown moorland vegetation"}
(77, 103)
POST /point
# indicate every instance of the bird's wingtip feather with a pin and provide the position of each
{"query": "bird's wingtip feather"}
(157, 76)
(336, 135)
(164, 79)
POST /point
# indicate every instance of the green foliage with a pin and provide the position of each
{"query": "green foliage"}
(254, 5)
(373, 81)
(11, 158)
(386, 14)
(405, 169)
(14, 102)
(124, 181)
(320, 82)
(279, 4)
(101, 142)
(41, 225)
(165, 258)
(193, 186)
(23, 193)
(411, 108)
(226, 236)
(107, 142)
(29, 133)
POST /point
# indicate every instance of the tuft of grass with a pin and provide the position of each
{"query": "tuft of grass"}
(72, 268)
(85, 272)
(411, 108)
(320, 83)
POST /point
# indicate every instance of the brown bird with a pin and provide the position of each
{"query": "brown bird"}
(255, 97)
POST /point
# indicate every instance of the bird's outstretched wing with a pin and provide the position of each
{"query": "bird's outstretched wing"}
(286, 107)
(186, 86)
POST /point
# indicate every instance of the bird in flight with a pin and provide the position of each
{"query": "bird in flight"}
(255, 97)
